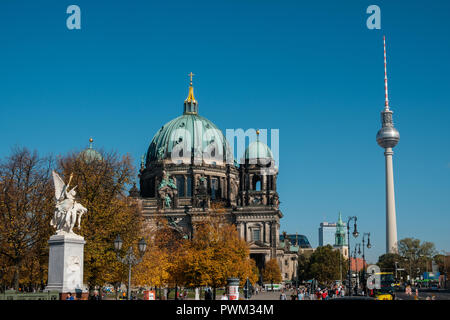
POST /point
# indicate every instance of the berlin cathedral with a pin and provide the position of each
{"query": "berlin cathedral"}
(189, 170)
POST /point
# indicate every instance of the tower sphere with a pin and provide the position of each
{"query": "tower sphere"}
(388, 137)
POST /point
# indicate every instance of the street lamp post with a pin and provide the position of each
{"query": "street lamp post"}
(355, 234)
(410, 269)
(357, 246)
(130, 258)
(364, 256)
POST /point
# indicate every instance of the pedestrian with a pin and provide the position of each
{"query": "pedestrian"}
(70, 296)
(95, 295)
(319, 294)
(282, 295)
(208, 294)
(224, 296)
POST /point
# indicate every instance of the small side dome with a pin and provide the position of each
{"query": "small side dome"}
(90, 154)
(258, 150)
(134, 192)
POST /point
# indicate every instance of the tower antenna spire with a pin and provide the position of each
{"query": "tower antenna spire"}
(386, 101)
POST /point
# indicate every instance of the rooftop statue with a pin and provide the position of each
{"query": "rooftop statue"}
(68, 211)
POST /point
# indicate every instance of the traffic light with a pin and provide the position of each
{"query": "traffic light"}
(247, 289)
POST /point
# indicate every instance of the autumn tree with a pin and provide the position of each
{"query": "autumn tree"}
(415, 255)
(161, 264)
(26, 207)
(102, 182)
(271, 272)
(215, 254)
(302, 267)
(326, 265)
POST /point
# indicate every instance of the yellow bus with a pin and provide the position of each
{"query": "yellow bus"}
(386, 292)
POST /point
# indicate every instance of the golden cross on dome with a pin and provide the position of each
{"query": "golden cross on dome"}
(191, 75)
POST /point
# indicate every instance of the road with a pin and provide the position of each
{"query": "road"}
(423, 294)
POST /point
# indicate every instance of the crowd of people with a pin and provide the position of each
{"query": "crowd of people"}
(306, 293)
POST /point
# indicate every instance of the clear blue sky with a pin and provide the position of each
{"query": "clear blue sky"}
(313, 71)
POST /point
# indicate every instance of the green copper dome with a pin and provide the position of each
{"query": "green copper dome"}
(190, 137)
(258, 150)
(90, 154)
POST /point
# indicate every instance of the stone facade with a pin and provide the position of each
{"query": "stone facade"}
(186, 191)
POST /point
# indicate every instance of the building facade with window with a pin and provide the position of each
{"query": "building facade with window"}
(189, 171)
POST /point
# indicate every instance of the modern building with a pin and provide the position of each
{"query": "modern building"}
(327, 232)
(296, 240)
(189, 170)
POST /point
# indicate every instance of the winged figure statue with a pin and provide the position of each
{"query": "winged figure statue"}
(68, 212)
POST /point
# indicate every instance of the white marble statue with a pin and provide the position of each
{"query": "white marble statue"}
(68, 211)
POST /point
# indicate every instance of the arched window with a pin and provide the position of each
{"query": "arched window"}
(256, 183)
(180, 185)
(189, 187)
(214, 188)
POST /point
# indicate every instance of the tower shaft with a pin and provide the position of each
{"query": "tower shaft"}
(391, 220)
(387, 138)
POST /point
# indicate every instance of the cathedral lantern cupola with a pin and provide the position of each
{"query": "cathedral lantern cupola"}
(190, 104)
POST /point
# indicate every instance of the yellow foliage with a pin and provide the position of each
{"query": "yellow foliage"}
(101, 188)
(271, 272)
(215, 254)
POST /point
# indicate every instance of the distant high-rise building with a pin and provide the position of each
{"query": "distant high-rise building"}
(327, 233)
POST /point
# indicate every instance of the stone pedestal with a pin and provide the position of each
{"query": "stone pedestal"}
(65, 267)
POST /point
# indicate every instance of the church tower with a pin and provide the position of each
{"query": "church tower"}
(340, 239)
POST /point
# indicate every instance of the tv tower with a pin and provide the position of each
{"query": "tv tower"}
(387, 138)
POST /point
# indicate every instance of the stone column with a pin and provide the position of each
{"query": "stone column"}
(223, 187)
(249, 234)
(266, 232)
(277, 233)
(241, 230)
(391, 221)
